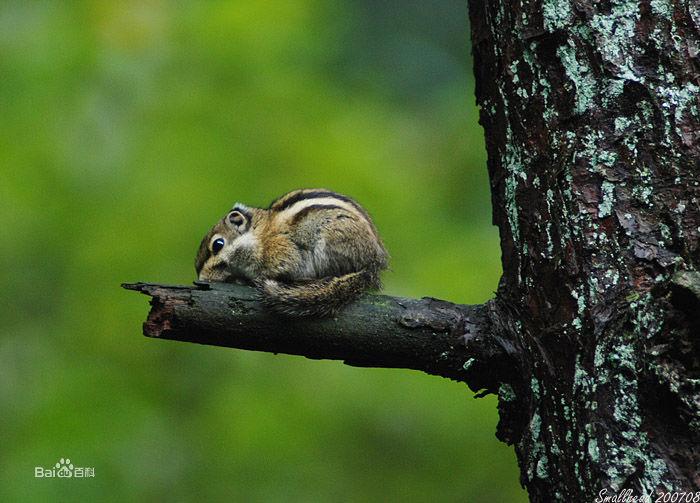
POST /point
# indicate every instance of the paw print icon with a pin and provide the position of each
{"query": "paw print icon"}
(64, 468)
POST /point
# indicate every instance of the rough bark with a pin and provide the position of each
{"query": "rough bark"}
(590, 111)
(431, 335)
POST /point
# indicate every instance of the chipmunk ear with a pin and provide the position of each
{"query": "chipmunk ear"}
(239, 219)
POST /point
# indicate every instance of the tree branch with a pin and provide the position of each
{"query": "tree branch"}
(434, 336)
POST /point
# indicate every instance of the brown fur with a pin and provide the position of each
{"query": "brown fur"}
(321, 297)
(311, 252)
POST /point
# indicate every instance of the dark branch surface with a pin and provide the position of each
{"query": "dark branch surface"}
(434, 336)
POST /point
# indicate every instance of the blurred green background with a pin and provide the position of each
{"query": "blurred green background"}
(128, 128)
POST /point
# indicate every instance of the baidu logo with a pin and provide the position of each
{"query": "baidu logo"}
(64, 469)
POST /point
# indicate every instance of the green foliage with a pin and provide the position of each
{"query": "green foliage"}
(127, 129)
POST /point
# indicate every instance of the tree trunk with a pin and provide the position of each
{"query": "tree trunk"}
(591, 115)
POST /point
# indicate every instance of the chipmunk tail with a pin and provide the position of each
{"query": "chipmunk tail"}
(320, 297)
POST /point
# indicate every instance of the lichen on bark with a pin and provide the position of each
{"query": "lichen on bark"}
(591, 113)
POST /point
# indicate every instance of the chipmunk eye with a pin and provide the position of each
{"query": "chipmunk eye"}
(217, 245)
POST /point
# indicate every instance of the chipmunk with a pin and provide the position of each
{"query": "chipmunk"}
(309, 253)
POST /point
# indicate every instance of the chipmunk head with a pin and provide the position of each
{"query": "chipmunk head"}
(222, 252)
